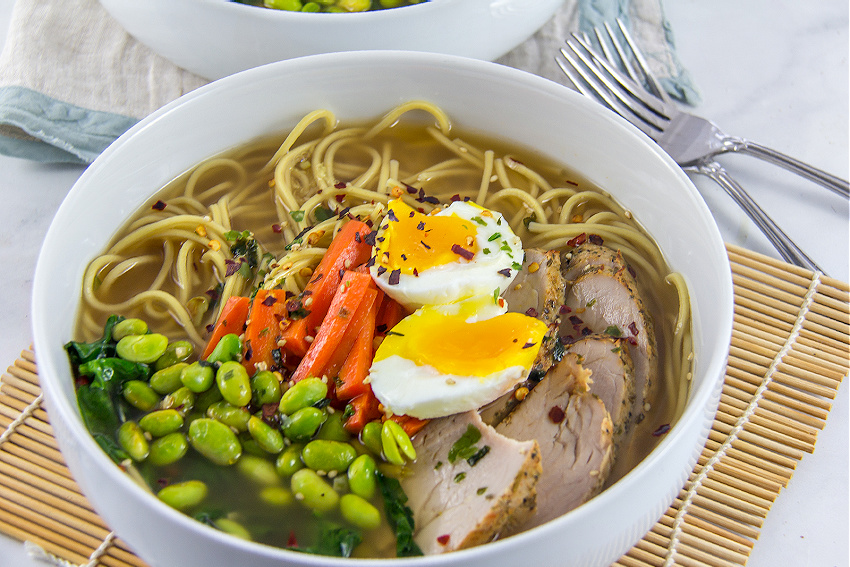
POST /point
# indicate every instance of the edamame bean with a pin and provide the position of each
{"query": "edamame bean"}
(206, 399)
(178, 351)
(395, 443)
(359, 512)
(303, 424)
(140, 395)
(198, 376)
(303, 394)
(290, 5)
(183, 495)
(232, 416)
(355, 5)
(313, 491)
(276, 496)
(129, 327)
(167, 380)
(142, 348)
(168, 449)
(333, 428)
(233, 528)
(324, 455)
(370, 436)
(265, 388)
(260, 470)
(233, 383)
(229, 348)
(161, 422)
(132, 439)
(289, 461)
(269, 438)
(215, 441)
(361, 476)
(182, 400)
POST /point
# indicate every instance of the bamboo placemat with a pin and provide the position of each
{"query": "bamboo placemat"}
(790, 351)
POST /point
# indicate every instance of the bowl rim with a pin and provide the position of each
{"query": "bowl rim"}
(69, 413)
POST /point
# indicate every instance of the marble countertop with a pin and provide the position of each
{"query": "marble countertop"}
(774, 71)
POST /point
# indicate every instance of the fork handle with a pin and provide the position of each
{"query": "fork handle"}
(831, 182)
(786, 247)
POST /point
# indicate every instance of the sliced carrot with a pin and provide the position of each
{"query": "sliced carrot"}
(295, 337)
(363, 409)
(362, 322)
(352, 376)
(411, 425)
(263, 332)
(232, 320)
(352, 290)
(389, 314)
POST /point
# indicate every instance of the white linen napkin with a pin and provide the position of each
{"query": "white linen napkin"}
(72, 80)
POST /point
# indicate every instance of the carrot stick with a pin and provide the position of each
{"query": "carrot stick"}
(295, 337)
(364, 408)
(352, 375)
(356, 328)
(411, 425)
(352, 290)
(389, 314)
(232, 320)
(263, 330)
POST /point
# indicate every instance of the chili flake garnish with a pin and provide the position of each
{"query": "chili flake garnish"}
(395, 276)
(506, 272)
(426, 246)
(276, 228)
(531, 312)
(529, 344)
(269, 300)
(662, 429)
(339, 185)
(578, 240)
(463, 252)
(595, 239)
(556, 414)
(420, 226)
(443, 539)
(370, 238)
(159, 206)
(391, 216)
(633, 328)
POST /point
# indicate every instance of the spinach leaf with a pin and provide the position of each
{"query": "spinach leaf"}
(333, 541)
(399, 516)
(80, 353)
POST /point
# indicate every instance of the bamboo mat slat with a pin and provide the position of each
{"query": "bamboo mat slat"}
(790, 351)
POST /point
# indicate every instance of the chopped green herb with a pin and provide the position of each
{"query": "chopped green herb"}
(516, 266)
(297, 216)
(496, 296)
(505, 246)
(322, 214)
(614, 331)
(438, 465)
(528, 220)
(460, 476)
(481, 490)
(494, 236)
(591, 303)
(465, 446)
(399, 515)
(480, 221)
(479, 454)
(486, 250)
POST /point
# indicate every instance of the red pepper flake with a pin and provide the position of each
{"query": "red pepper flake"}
(391, 216)
(158, 206)
(578, 240)
(506, 272)
(370, 262)
(466, 254)
(163, 482)
(633, 328)
(292, 541)
(631, 271)
(317, 278)
(420, 226)
(339, 185)
(662, 429)
(410, 188)
(394, 278)
(339, 198)
(443, 539)
(269, 300)
(529, 344)
(381, 270)
(586, 331)
(531, 312)
(632, 341)
(428, 247)
(370, 238)
(415, 273)
(357, 237)
(276, 228)
(576, 320)
(231, 267)
(564, 309)
(343, 212)
(455, 197)
(571, 182)
(556, 414)
(595, 239)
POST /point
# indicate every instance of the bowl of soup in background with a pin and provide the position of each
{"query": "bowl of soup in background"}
(508, 104)
(215, 38)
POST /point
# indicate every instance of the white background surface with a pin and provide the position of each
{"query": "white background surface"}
(772, 71)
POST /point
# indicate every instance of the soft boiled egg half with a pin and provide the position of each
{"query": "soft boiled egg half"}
(450, 358)
(462, 251)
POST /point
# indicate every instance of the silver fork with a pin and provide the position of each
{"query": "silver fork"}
(690, 140)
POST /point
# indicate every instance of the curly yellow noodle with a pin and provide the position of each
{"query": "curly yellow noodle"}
(392, 117)
(296, 132)
(487, 171)
(463, 153)
(532, 205)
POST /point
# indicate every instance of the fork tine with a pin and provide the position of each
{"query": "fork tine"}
(641, 61)
(593, 84)
(621, 55)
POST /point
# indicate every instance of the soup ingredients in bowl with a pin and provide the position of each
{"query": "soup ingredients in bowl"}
(330, 6)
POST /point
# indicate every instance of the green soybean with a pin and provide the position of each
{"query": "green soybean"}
(303, 424)
(265, 388)
(361, 476)
(215, 441)
(276, 496)
(290, 5)
(303, 394)
(206, 399)
(359, 512)
(333, 429)
(370, 436)
(230, 415)
(167, 380)
(233, 383)
(161, 422)
(324, 455)
(313, 491)
(140, 395)
(168, 449)
(198, 377)
(129, 327)
(260, 470)
(269, 438)
(181, 399)
(396, 444)
(142, 348)
(289, 461)
(233, 528)
(229, 348)
(184, 495)
(132, 439)
(178, 351)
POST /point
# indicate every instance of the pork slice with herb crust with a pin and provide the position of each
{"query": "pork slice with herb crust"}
(612, 375)
(575, 435)
(589, 256)
(468, 483)
(603, 301)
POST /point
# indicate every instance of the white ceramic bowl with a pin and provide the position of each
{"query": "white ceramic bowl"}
(511, 104)
(216, 38)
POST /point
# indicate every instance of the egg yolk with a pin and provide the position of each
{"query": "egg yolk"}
(414, 241)
(454, 346)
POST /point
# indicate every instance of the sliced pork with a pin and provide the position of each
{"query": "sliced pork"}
(612, 375)
(470, 496)
(575, 435)
(589, 256)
